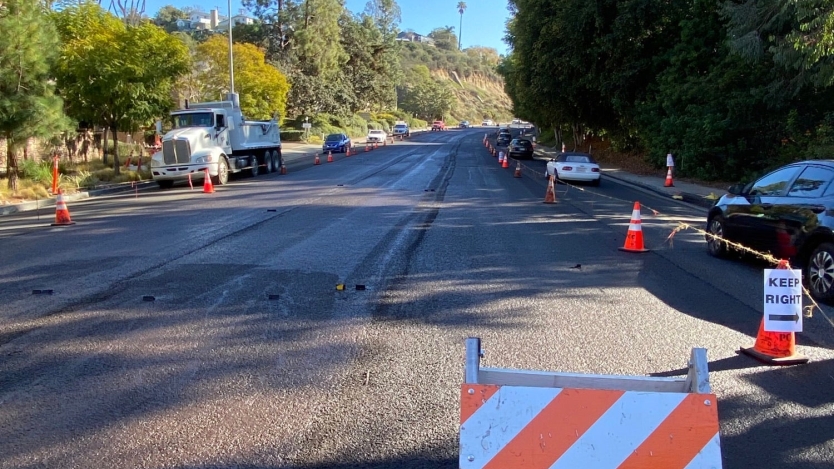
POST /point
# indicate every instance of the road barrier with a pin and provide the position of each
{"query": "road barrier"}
(526, 419)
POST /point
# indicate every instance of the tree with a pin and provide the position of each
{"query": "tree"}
(167, 17)
(461, 9)
(263, 88)
(372, 68)
(444, 38)
(117, 76)
(28, 104)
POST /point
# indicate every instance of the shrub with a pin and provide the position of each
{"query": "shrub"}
(292, 135)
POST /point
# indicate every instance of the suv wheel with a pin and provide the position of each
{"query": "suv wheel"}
(820, 272)
(715, 244)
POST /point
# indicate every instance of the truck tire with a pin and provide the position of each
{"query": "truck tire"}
(222, 177)
(165, 184)
(279, 158)
(256, 168)
(269, 159)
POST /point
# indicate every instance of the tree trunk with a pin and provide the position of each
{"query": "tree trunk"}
(12, 168)
(104, 136)
(116, 151)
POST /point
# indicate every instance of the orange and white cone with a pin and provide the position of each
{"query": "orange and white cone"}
(517, 169)
(505, 163)
(563, 148)
(329, 157)
(634, 237)
(775, 348)
(669, 182)
(208, 187)
(317, 161)
(283, 168)
(550, 195)
(62, 215)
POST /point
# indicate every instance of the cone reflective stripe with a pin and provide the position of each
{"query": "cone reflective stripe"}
(208, 187)
(62, 215)
(669, 182)
(775, 348)
(634, 236)
(517, 169)
(550, 195)
(317, 161)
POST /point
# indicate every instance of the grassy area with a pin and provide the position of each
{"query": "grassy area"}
(36, 178)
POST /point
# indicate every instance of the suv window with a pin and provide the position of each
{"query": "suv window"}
(775, 183)
(812, 182)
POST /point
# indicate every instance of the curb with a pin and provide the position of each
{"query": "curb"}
(50, 202)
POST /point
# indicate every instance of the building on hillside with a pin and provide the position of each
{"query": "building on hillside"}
(211, 21)
(411, 36)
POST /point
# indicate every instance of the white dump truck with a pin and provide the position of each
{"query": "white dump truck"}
(214, 136)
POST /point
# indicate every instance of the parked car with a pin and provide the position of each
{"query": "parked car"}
(574, 166)
(336, 142)
(788, 213)
(464, 124)
(438, 126)
(487, 123)
(504, 138)
(521, 148)
(376, 136)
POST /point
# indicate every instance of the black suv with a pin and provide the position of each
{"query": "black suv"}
(788, 213)
(503, 138)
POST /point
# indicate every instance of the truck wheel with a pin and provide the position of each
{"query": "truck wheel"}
(270, 162)
(256, 168)
(222, 177)
(165, 184)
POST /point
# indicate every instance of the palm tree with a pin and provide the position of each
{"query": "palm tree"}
(461, 9)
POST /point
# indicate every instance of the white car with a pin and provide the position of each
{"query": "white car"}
(574, 166)
(376, 136)
(488, 123)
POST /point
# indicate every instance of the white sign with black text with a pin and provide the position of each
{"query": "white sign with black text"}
(782, 300)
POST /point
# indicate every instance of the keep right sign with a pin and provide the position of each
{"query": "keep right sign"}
(782, 300)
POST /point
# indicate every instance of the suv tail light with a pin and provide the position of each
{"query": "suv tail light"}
(567, 168)
(594, 170)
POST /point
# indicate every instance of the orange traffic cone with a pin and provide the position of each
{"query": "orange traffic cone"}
(329, 157)
(634, 237)
(563, 148)
(550, 195)
(506, 163)
(283, 169)
(208, 187)
(517, 169)
(669, 182)
(366, 148)
(317, 161)
(62, 215)
(775, 348)
(347, 151)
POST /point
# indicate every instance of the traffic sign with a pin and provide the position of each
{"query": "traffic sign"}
(782, 300)
(306, 125)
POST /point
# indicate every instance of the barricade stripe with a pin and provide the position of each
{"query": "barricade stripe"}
(470, 403)
(555, 429)
(489, 430)
(679, 438)
(708, 456)
(620, 430)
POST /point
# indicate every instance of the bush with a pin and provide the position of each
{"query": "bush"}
(292, 135)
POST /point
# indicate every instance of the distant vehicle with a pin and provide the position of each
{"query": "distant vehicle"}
(504, 138)
(521, 148)
(464, 124)
(438, 126)
(401, 128)
(487, 123)
(336, 142)
(376, 136)
(574, 166)
(789, 213)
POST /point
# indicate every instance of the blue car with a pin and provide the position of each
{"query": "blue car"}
(336, 142)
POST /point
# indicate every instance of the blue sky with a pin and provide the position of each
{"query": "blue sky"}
(483, 22)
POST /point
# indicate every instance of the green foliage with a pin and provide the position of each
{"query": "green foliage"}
(28, 105)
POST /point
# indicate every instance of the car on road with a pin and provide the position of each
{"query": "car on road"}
(336, 142)
(487, 123)
(521, 148)
(438, 126)
(504, 138)
(574, 166)
(464, 124)
(376, 136)
(788, 213)
(401, 129)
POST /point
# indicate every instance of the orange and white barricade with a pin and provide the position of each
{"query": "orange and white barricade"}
(527, 419)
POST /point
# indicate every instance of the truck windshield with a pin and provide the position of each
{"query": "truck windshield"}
(194, 119)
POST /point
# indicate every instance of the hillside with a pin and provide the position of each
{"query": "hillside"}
(469, 75)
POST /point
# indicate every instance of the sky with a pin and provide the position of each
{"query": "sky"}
(483, 21)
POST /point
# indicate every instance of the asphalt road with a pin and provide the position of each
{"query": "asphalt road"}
(249, 356)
